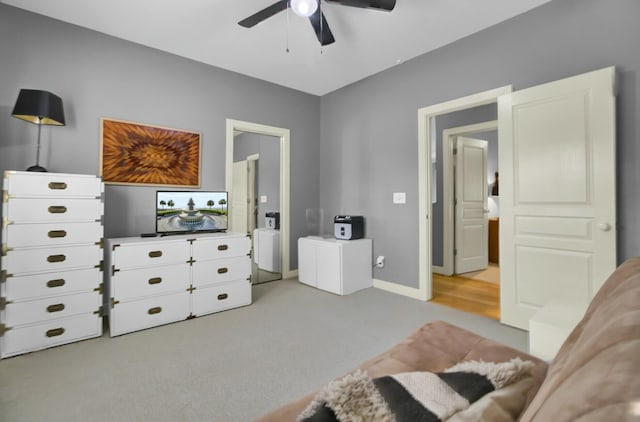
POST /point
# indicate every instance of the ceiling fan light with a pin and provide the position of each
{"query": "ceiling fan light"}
(304, 8)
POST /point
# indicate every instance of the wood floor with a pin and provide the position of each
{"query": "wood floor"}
(477, 297)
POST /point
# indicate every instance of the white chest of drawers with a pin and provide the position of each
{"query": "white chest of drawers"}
(155, 281)
(51, 280)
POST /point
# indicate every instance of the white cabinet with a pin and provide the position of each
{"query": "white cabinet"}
(266, 249)
(51, 280)
(337, 266)
(155, 281)
(551, 325)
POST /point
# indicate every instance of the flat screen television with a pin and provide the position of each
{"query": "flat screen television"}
(191, 211)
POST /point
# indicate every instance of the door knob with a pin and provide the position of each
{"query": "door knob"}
(605, 227)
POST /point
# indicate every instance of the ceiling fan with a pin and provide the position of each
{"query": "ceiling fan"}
(310, 9)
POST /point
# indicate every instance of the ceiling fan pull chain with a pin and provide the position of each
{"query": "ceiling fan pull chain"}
(287, 30)
(321, 24)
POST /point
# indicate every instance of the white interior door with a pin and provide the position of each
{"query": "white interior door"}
(239, 205)
(471, 224)
(252, 200)
(557, 193)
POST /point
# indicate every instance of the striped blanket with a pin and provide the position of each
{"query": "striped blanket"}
(412, 396)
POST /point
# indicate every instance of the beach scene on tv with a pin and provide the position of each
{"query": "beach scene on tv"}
(191, 211)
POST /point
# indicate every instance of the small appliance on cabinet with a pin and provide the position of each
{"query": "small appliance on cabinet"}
(272, 220)
(348, 227)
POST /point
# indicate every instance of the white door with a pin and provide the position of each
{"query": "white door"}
(557, 193)
(239, 206)
(472, 218)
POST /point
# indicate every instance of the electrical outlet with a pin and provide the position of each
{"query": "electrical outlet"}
(380, 261)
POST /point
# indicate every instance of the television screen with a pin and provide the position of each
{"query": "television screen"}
(191, 211)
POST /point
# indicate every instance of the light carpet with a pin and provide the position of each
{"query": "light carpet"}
(231, 366)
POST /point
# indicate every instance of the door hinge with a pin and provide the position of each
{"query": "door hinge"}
(99, 312)
(98, 289)
(455, 252)
(455, 150)
(100, 266)
(3, 303)
(114, 302)
(3, 329)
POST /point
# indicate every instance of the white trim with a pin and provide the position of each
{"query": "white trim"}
(285, 137)
(398, 289)
(425, 135)
(448, 139)
(438, 269)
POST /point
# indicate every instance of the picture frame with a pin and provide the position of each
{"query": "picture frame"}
(142, 154)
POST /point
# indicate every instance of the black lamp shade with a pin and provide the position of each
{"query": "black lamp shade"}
(39, 107)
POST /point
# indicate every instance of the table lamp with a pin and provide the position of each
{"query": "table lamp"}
(40, 108)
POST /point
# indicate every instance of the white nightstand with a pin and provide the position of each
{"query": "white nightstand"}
(551, 325)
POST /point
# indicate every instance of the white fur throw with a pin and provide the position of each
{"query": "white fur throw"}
(411, 396)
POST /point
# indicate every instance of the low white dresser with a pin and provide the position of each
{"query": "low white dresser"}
(51, 280)
(337, 266)
(159, 280)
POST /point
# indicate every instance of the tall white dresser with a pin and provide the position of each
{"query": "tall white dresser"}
(158, 280)
(51, 279)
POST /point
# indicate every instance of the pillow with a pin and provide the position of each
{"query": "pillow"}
(412, 396)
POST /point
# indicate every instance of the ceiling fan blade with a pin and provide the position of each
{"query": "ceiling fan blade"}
(387, 5)
(323, 32)
(265, 13)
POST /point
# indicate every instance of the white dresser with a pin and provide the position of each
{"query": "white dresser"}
(51, 280)
(337, 266)
(158, 280)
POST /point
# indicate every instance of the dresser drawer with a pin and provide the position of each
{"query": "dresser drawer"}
(219, 297)
(19, 261)
(52, 234)
(36, 286)
(150, 254)
(221, 270)
(36, 210)
(52, 185)
(129, 284)
(33, 311)
(52, 333)
(125, 317)
(213, 248)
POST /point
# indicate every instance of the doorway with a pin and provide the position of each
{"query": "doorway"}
(469, 275)
(257, 179)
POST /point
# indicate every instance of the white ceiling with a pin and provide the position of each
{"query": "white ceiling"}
(367, 41)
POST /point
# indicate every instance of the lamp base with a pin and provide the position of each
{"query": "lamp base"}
(37, 168)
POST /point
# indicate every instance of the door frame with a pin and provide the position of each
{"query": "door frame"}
(284, 135)
(426, 137)
(448, 220)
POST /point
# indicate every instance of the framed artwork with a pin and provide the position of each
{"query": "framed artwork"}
(141, 154)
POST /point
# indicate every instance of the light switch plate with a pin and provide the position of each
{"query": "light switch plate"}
(263, 199)
(399, 197)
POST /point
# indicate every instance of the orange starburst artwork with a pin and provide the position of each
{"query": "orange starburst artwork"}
(134, 153)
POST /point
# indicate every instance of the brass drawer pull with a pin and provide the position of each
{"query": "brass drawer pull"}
(155, 280)
(55, 308)
(57, 185)
(222, 270)
(57, 209)
(56, 258)
(223, 296)
(58, 282)
(57, 233)
(55, 332)
(155, 254)
(155, 310)
(223, 247)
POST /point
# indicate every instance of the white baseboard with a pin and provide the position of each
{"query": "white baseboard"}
(437, 269)
(400, 289)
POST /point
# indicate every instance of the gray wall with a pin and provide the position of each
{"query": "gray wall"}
(369, 130)
(101, 76)
(268, 168)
